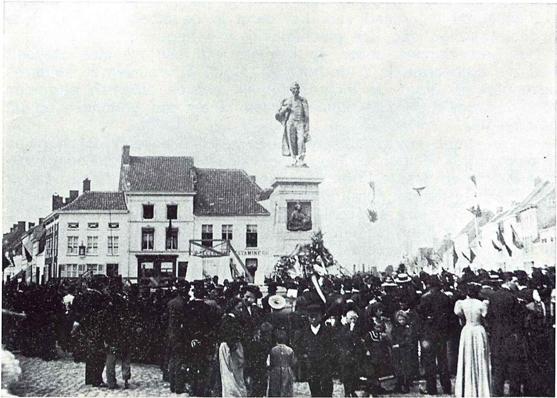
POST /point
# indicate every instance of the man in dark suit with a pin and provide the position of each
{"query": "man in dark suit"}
(435, 309)
(89, 314)
(176, 315)
(316, 349)
(506, 340)
(201, 327)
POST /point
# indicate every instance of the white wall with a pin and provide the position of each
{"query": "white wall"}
(103, 232)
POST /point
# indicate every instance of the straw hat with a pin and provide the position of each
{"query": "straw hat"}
(277, 302)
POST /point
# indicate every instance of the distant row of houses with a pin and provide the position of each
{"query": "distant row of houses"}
(520, 237)
(167, 219)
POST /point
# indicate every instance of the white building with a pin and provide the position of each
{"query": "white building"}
(92, 235)
(518, 238)
(171, 219)
(182, 217)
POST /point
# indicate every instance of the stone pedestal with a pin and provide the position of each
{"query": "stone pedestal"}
(291, 187)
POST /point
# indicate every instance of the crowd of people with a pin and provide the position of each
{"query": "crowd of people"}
(230, 339)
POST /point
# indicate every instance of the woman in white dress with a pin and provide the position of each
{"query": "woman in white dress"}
(473, 376)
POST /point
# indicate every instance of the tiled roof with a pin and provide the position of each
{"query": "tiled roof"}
(226, 192)
(97, 201)
(157, 174)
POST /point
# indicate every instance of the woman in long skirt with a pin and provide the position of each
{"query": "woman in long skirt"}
(473, 370)
(231, 353)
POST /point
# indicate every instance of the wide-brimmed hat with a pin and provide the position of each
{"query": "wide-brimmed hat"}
(403, 277)
(389, 282)
(277, 302)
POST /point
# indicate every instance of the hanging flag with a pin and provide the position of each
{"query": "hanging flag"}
(28, 255)
(28, 248)
(473, 178)
(472, 256)
(501, 239)
(516, 241)
(371, 215)
(466, 257)
(455, 256)
(498, 248)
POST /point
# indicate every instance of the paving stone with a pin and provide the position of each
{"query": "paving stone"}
(65, 378)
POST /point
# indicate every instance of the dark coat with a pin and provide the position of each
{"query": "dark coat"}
(201, 325)
(404, 350)
(316, 353)
(504, 321)
(435, 310)
(176, 310)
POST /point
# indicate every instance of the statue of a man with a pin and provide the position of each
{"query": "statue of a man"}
(298, 221)
(294, 117)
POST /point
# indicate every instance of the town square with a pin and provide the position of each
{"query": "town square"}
(278, 199)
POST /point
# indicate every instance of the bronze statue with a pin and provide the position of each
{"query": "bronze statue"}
(293, 114)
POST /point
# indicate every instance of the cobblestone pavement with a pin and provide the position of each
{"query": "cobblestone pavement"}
(65, 378)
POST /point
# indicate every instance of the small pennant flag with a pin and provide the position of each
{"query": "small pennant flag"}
(455, 256)
(473, 178)
(498, 248)
(472, 256)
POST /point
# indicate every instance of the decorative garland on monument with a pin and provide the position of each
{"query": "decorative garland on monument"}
(310, 257)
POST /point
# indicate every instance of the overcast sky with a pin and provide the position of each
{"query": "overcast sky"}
(404, 95)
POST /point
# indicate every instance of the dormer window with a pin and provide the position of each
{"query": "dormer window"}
(113, 225)
(93, 225)
(148, 212)
(73, 225)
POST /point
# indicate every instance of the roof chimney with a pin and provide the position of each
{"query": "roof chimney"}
(499, 209)
(252, 178)
(126, 154)
(86, 185)
(31, 225)
(57, 202)
(21, 226)
(41, 220)
(537, 181)
(73, 196)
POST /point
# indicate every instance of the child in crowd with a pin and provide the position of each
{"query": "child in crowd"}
(281, 361)
(403, 345)
(377, 345)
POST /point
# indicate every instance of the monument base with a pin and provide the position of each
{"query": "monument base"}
(295, 203)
